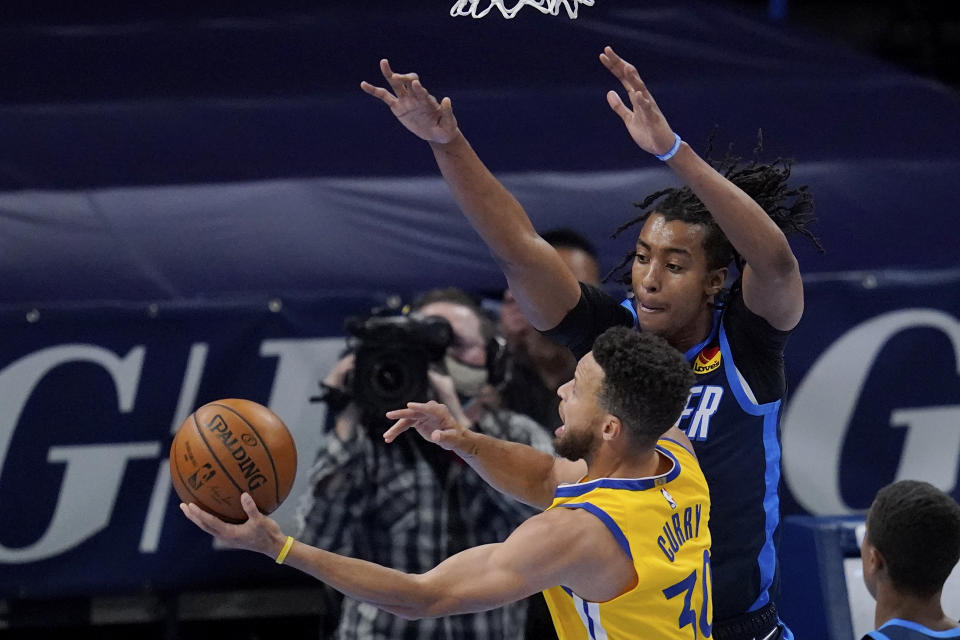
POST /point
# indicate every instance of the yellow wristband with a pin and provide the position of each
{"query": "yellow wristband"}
(285, 550)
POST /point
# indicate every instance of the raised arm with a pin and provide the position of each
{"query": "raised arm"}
(543, 285)
(772, 287)
(515, 469)
(562, 546)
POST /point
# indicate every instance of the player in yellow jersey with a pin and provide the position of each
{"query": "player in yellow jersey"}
(622, 549)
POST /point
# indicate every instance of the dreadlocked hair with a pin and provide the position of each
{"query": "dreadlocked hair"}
(791, 208)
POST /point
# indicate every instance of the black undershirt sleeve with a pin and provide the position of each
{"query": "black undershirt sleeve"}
(757, 349)
(596, 311)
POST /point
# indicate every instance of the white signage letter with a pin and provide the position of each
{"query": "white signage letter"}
(91, 480)
(816, 420)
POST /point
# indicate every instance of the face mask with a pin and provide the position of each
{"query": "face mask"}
(468, 380)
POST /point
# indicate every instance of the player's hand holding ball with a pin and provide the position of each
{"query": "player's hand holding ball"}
(228, 447)
(222, 453)
(259, 533)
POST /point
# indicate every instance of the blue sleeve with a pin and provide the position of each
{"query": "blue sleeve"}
(757, 349)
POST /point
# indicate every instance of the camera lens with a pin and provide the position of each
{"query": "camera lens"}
(389, 378)
(392, 357)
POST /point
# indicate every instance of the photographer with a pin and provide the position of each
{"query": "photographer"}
(413, 505)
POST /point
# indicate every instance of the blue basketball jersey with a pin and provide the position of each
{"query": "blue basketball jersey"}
(737, 442)
(897, 629)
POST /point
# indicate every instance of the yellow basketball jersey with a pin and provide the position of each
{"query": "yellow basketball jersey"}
(661, 523)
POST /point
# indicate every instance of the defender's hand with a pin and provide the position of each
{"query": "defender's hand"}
(432, 420)
(259, 533)
(645, 122)
(414, 107)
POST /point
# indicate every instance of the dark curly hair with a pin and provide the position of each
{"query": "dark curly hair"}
(646, 382)
(791, 208)
(917, 529)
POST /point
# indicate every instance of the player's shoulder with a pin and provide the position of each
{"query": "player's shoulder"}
(598, 307)
(597, 297)
(574, 532)
(582, 533)
(570, 521)
(576, 549)
(739, 319)
(687, 466)
(676, 444)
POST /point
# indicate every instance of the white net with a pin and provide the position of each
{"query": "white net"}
(474, 9)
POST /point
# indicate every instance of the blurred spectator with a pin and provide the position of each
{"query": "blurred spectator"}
(410, 504)
(538, 365)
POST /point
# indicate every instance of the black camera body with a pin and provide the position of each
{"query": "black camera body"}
(393, 355)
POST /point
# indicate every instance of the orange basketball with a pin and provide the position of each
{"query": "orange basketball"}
(230, 446)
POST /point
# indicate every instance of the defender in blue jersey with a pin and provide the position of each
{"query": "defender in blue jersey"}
(911, 546)
(690, 236)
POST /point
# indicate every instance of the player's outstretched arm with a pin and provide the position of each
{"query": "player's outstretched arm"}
(771, 281)
(569, 547)
(542, 283)
(562, 546)
(518, 470)
(383, 587)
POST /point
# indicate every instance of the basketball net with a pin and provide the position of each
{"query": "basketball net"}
(551, 7)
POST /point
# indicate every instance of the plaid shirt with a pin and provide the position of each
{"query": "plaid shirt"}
(393, 505)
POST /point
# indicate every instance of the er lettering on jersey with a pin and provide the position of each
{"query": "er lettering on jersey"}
(703, 402)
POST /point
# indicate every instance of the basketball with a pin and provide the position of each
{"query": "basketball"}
(230, 446)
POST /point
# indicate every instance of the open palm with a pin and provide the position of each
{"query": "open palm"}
(643, 119)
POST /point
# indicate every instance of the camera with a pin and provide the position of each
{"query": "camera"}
(393, 354)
